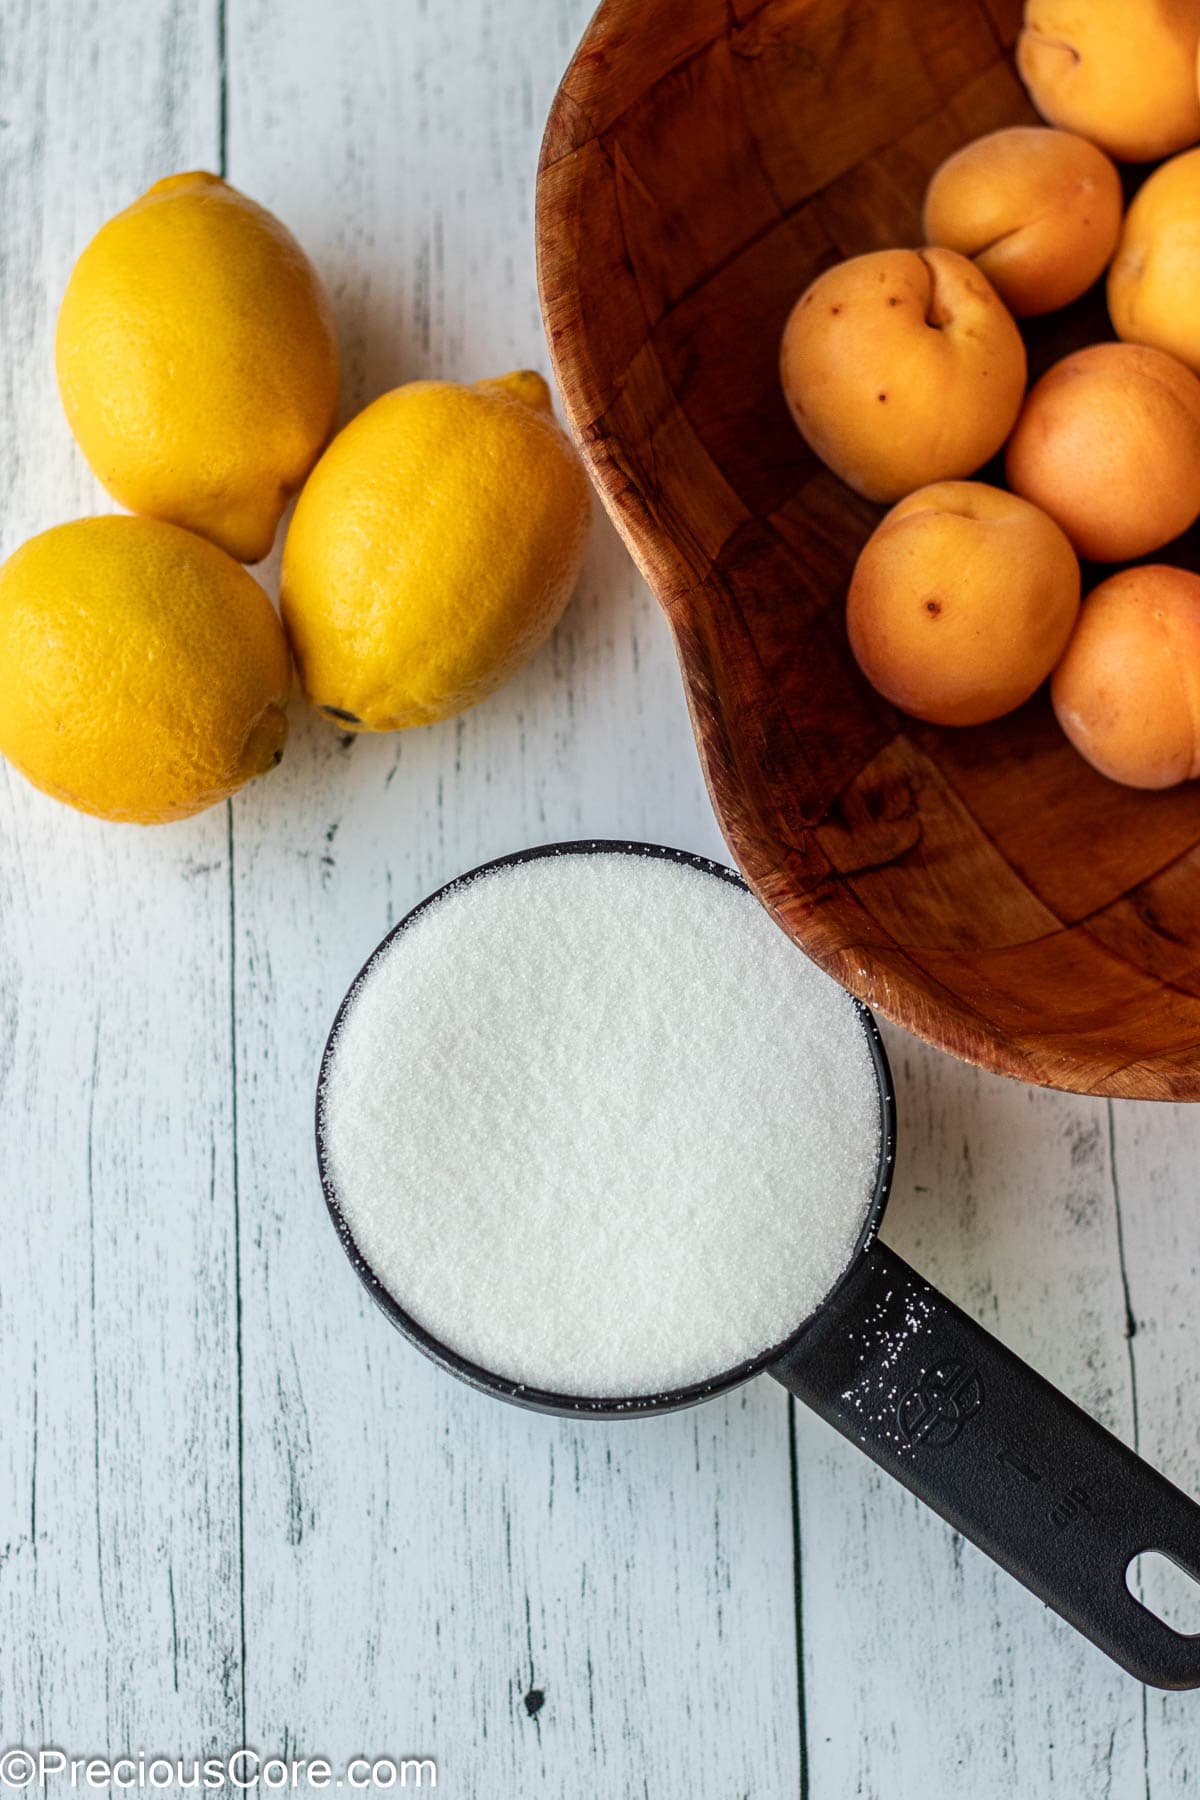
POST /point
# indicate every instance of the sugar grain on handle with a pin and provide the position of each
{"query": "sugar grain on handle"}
(599, 1126)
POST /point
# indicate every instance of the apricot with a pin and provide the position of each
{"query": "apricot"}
(902, 367)
(961, 602)
(1127, 691)
(1155, 275)
(1038, 211)
(1121, 72)
(1108, 443)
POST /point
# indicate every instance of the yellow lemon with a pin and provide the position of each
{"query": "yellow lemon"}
(432, 551)
(197, 361)
(143, 673)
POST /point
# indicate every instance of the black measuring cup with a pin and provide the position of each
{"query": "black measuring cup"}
(932, 1397)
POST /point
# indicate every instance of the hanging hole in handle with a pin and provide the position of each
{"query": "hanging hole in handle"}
(1166, 1589)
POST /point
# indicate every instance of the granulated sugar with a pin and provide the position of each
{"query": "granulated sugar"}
(599, 1126)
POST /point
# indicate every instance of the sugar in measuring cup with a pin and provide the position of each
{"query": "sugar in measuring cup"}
(599, 1140)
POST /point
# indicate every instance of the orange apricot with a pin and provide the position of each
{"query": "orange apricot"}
(1155, 273)
(1108, 443)
(961, 602)
(1038, 211)
(1121, 72)
(902, 367)
(1127, 691)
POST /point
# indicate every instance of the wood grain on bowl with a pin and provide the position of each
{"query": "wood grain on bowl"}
(703, 161)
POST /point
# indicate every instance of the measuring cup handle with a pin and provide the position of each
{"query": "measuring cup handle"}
(1002, 1454)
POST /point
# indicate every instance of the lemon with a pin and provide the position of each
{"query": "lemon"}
(433, 549)
(197, 361)
(143, 673)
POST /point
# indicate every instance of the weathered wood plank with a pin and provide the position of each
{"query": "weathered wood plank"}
(927, 1669)
(421, 1563)
(1157, 1155)
(118, 1503)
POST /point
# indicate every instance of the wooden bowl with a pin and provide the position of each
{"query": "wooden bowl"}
(703, 160)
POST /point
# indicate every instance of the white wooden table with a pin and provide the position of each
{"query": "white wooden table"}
(234, 1506)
